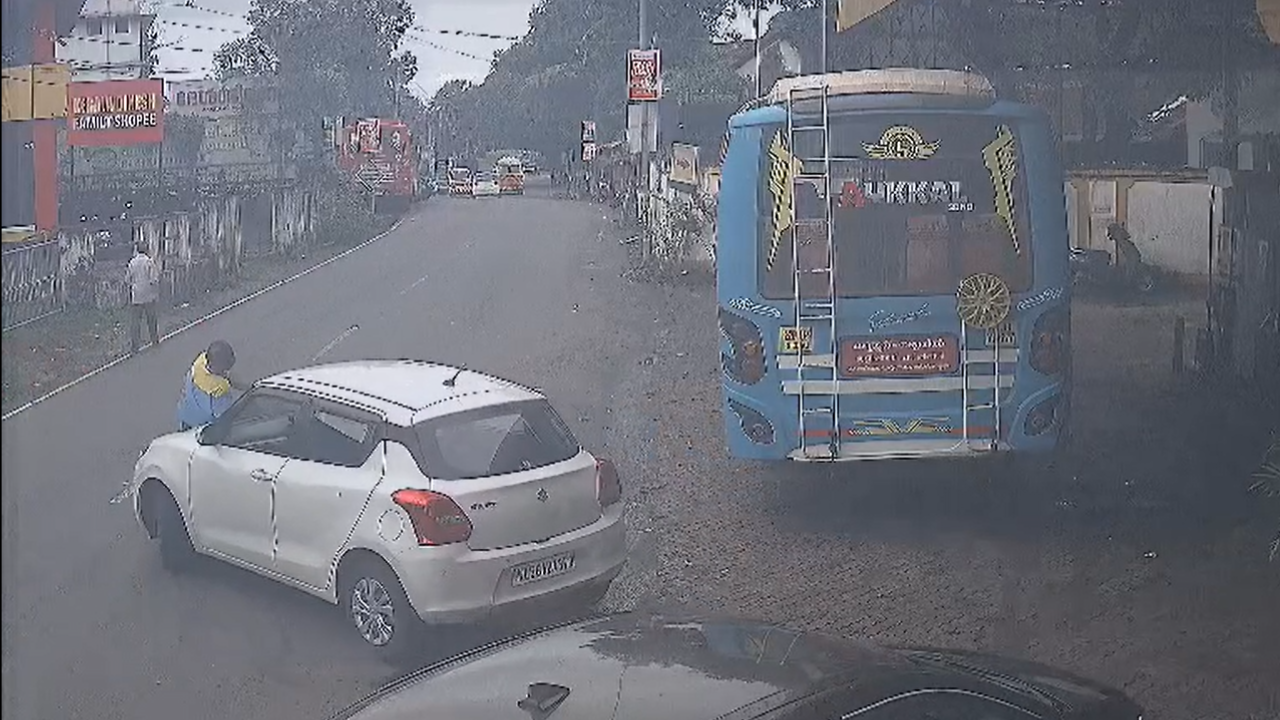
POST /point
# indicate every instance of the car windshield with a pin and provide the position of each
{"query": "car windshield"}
(495, 440)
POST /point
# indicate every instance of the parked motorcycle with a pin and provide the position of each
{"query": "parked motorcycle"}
(1091, 267)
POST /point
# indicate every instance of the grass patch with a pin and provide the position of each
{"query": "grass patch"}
(46, 354)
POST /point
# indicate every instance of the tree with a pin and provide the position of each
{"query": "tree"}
(331, 57)
(570, 67)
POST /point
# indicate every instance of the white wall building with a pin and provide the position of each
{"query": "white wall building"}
(109, 41)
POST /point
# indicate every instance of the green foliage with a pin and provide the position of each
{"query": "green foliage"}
(332, 57)
(343, 213)
(571, 66)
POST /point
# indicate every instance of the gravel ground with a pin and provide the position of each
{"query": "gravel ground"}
(1144, 568)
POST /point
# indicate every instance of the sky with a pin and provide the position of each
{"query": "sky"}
(193, 32)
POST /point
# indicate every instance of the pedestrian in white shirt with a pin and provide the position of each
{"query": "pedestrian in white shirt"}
(144, 290)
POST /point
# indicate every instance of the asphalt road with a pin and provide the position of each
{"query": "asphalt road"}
(526, 287)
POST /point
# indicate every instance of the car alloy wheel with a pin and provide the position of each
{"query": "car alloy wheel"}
(373, 611)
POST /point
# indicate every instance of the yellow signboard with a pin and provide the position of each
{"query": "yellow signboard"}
(795, 340)
(35, 92)
(852, 12)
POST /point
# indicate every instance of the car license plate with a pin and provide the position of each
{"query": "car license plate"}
(532, 572)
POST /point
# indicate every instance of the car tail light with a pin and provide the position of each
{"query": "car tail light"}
(436, 518)
(1050, 342)
(608, 484)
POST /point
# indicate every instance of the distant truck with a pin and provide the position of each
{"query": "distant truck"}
(460, 181)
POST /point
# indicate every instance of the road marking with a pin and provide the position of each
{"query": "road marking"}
(415, 284)
(334, 342)
(251, 296)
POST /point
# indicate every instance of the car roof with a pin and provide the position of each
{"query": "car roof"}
(400, 390)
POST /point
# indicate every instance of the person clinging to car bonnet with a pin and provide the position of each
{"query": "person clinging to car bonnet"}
(207, 388)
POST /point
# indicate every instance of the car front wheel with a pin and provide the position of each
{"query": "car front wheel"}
(375, 603)
(176, 549)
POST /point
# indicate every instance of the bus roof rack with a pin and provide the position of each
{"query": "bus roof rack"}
(888, 80)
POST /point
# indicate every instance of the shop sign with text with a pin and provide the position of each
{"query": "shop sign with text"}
(115, 112)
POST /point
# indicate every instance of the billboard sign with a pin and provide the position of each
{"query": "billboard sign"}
(213, 99)
(684, 164)
(115, 112)
(644, 75)
(35, 92)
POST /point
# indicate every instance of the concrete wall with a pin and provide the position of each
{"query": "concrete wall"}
(1170, 225)
(195, 250)
(1169, 219)
(291, 220)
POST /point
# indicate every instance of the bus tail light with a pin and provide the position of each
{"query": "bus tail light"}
(746, 363)
(1050, 342)
(754, 425)
(1041, 417)
(436, 518)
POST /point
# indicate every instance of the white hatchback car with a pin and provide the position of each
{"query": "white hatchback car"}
(412, 494)
(485, 186)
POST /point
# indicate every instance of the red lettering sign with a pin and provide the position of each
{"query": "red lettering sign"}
(115, 112)
(644, 75)
(903, 355)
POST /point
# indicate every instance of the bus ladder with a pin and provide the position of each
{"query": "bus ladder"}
(815, 313)
(996, 403)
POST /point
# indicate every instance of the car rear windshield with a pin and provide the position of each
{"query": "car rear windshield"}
(494, 440)
(918, 202)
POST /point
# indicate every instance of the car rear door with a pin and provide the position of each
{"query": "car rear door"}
(516, 470)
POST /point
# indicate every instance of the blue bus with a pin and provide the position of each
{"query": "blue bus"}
(892, 271)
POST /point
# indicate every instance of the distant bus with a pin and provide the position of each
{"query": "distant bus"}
(510, 173)
(382, 156)
(892, 272)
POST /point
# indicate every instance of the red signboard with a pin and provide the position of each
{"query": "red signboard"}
(903, 355)
(115, 112)
(644, 75)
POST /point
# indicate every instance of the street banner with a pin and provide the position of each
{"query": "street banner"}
(644, 75)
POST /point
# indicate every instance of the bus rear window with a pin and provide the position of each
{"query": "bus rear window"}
(919, 202)
(494, 440)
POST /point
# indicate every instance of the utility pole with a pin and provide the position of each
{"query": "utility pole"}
(644, 137)
(755, 21)
(824, 38)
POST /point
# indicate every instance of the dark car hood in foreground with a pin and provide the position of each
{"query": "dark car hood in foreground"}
(645, 666)
(635, 666)
(1069, 695)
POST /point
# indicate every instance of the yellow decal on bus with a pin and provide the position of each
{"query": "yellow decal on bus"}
(783, 167)
(901, 142)
(1001, 159)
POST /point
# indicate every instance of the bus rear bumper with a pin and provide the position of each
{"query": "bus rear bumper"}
(863, 450)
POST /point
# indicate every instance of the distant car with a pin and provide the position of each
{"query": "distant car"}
(410, 493)
(638, 667)
(485, 185)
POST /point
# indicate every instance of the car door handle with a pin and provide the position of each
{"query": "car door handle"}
(261, 475)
